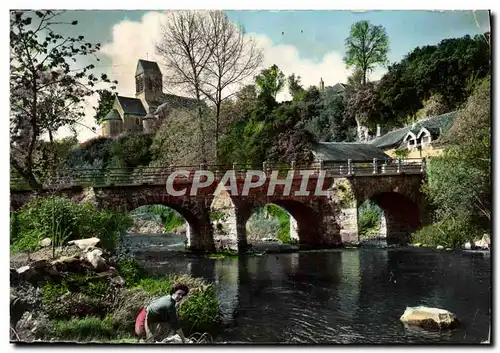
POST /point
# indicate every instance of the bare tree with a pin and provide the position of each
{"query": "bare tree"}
(233, 58)
(185, 55)
(207, 56)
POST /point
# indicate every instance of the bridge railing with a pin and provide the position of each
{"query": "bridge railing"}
(159, 175)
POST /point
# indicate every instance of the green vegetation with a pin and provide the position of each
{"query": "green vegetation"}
(369, 215)
(283, 222)
(90, 308)
(459, 181)
(61, 220)
(165, 215)
(84, 329)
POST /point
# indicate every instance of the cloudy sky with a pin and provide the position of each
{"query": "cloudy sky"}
(307, 43)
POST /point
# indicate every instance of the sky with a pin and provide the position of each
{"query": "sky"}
(307, 43)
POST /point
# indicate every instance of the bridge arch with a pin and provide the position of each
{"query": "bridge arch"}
(402, 215)
(199, 230)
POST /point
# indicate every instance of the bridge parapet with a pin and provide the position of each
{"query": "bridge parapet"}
(160, 175)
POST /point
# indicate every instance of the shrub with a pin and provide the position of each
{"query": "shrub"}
(200, 312)
(369, 215)
(450, 233)
(61, 219)
(130, 271)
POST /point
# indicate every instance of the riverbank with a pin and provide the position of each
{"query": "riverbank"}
(85, 296)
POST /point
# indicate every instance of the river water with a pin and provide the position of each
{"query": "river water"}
(343, 296)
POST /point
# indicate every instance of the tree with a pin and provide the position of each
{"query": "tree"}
(367, 46)
(185, 54)
(270, 81)
(232, 59)
(459, 181)
(294, 87)
(364, 108)
(46, 92)
(447, 70)
(104, 104)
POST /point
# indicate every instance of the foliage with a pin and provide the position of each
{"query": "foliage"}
(41, 216)
(270, 81)
(130, 270)
(449, 233)
(83, 329)
(369, 215)
(367, 46)
(283, 222)
(46, 92)
(200, 312)
(176, 140)
(132, 150)
(402, 153)
(447, 69)
(104, 104)
(459, 182)
(167, 216)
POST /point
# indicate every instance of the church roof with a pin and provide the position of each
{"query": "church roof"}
(342, 151)
(131, 106)
(112, 115)
(147, 66)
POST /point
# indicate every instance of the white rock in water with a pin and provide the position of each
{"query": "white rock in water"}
(45, 242)
(85, 244)
(483, 243)
(429, 318)
(440, 247)
(468, 246)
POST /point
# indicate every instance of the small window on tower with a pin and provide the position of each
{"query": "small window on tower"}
(137, 121)
(139, 84)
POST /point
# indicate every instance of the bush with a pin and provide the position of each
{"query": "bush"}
(448, 233)
(130, 271)
(369, 215)
(200, 312)
(61, 219)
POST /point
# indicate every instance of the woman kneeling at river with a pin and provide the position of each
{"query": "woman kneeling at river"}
(159, 318)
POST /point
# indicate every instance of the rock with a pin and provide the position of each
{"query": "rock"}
(429, 318)
(85, 244)
(440, 247)
(448, 249)
(44, 243)
(95, 258)
(417, 245)
(483, 243)
(467, 246)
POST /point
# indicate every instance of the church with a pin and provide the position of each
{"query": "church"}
(150, 106)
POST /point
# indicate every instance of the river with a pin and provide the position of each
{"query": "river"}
(342, 296)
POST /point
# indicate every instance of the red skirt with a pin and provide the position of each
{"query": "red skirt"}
(140, 329)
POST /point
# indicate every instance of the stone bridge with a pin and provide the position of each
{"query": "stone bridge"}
(318, 218)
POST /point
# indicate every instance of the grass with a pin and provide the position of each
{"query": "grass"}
(223, 254)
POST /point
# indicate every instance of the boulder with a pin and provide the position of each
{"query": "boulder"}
(417, 245)
(467, 246)
(483, 243)
(429, 318)
(85, 244)
(440, 247)
(44, 243)
(95, 258)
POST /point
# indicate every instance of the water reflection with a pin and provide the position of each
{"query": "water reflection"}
(348, 296)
